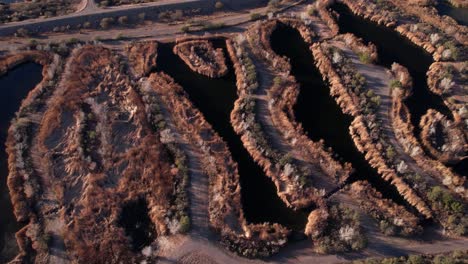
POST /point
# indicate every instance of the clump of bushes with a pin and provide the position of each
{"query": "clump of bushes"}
(19, 11)
(343, 231)
(443, 200)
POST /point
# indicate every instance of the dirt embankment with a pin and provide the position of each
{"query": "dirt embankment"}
(92, 154)
(202, 57)
(225, 208)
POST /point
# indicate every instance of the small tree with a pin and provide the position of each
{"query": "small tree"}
(274, 3)
(123, 20)
(185, 28)
(106, 22)
(142, 16)
(22, 32)
(219, 5)
(184, 224)
(255, 16)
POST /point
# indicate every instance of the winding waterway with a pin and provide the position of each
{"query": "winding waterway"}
(392, 47)
(14, 87)
(215, 99)
(458, 14)
(318, 112)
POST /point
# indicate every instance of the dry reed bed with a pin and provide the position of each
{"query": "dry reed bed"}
(21, 177)
(78, 200)
(142, 57)
(442, 138)
(202, 57)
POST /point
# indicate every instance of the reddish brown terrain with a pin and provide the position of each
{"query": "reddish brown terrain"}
(110, 160)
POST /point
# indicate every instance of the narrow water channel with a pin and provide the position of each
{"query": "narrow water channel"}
(318, 112)
(14, 87)
(215, 99)
(392, 47)
(458, 14)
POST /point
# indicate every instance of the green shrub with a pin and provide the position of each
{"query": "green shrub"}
(395, 84)
(415, 259)
(365, 57)
(123, 20)
(106, 22)
(185, 28)
(184, 224)
(255, 16)
(219, 5)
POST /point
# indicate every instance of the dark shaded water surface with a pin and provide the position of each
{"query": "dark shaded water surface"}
(215, 99)
(135, 220)
(14, 87)
(318, 112)
(458, 14)
(392, 47)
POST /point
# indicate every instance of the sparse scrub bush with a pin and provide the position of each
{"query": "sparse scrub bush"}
(123, 20)
(219, 5)
(255, 16)
(106, 22)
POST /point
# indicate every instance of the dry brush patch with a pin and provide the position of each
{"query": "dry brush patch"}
(142, 57)
(21, 179)
(17, 11)
(92, 154)
(442, 138)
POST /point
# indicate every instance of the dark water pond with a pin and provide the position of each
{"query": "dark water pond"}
(215, 99)
(318, 112)
(14, 87)
(135, 220)
(458, 14)
(392, 47)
